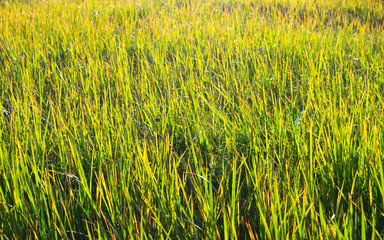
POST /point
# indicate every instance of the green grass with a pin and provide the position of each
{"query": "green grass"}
(176, 119)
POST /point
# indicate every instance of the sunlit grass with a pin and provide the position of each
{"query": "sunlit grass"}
(191, 119)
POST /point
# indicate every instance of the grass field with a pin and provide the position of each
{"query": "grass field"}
(181, 119)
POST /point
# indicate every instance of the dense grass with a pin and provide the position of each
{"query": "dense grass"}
(177, 119)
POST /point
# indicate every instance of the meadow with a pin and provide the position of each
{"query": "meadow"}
(182, 119)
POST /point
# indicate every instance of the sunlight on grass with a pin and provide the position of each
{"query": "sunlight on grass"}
(191, 119)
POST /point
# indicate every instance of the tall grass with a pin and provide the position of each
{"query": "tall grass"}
(175, 119)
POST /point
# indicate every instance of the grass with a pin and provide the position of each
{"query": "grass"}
(176, 119)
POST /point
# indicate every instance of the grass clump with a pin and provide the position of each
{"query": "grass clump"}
(191, 119)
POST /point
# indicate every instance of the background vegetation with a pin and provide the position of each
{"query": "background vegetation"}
(177, 119)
